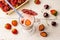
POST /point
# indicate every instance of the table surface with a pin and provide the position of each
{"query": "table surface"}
(53, 32)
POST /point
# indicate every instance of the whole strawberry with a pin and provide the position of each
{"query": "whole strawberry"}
(37, 2)
(53, 12)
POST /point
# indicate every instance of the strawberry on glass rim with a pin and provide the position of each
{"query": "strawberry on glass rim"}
(27, 23)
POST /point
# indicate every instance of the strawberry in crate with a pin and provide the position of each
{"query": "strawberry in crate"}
(2, 3)
(4, 6)
(15, 3)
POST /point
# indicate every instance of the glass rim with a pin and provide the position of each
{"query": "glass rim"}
(30, 25)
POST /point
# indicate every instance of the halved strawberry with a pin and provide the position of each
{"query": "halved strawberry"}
(37, 1)
(8, 26)
(27, 22)
(15, 31)
(53, 12)
(14, 22)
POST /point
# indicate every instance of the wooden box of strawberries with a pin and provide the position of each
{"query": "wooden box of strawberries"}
(16, 3)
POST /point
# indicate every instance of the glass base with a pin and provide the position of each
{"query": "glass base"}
(30, 31)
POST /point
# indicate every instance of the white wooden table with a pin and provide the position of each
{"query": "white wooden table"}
(53, 32)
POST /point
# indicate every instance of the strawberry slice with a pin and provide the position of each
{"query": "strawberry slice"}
(25, 10)
(32, 12)
(29, 12)
(37, 2)
(53, 12)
